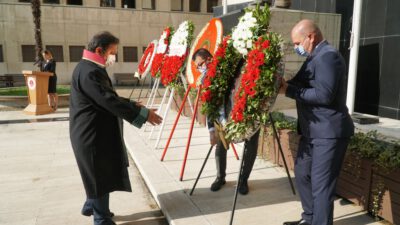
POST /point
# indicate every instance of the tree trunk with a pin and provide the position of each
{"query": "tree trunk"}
(38, 33)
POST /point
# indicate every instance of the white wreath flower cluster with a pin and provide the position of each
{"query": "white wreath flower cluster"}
(242, 35)
(162, 47)
(179, 41)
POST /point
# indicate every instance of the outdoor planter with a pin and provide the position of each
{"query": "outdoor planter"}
(385, 195)
(355, 180)
(269, 148)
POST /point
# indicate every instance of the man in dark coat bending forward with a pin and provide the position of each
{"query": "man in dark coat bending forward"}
(96, 113)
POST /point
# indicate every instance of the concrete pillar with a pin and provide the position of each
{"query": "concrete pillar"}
(186, 5)
(203, 6)
(118, 4)
(138, 4)
(163, 5)
(63, 2)
(92, 3)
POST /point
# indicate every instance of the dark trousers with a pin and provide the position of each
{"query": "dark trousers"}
(249, 158)
(101, 210)
(317, 168)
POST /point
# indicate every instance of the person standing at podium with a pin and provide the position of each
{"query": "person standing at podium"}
(49, 65)
(96, 113)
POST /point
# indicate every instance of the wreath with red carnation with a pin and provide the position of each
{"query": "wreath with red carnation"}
(147, 59)
(175, 60)
(162, 49)
(220, 73)
(259, 85)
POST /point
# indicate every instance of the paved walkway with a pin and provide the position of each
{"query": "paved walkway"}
(40, 182)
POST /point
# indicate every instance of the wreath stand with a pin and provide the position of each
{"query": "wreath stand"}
(167, 108)
(242, 164)
(190, 130)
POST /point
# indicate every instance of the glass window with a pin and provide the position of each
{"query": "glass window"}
(75, 53)
(51, 1)
(211, 4)
(107, 3)
(28, 53)
(149, 4)
(128, 4)
(176, 5)
(74, 2)
(1, 54)
(130, 54)
(195, 5)
(57, 51)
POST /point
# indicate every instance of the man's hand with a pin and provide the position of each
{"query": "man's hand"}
(139, 103)
(213, 138)
(153, 118)
(284, 85)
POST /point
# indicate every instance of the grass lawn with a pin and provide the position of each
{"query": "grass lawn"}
(22, 91)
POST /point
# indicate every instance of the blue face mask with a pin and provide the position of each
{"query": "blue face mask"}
(301, 51)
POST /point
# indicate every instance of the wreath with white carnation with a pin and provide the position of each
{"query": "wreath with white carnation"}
(178, 50)
(161, 51)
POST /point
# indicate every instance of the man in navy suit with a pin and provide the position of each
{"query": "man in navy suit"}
(324, 123)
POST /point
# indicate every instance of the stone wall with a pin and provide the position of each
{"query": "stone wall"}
(75, 25)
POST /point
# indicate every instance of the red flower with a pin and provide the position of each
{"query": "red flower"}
(143, 61)
(157, 63)
(206, 96)
(171, 68)
(265, 44)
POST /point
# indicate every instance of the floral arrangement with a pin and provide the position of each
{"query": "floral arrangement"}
(258, 88)
(162, 49)
(251, 25)
(220, 74)
(261, 75)
(174, 61)
(147, 59)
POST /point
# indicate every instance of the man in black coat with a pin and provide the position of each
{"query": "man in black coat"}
(96, 113)
(324, 123)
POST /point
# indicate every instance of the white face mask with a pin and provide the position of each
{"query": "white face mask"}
(110, 60)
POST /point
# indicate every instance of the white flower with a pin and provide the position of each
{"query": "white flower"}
(249, 44)
(179, 41)
(242, 34)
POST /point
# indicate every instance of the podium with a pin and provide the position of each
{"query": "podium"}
(37, 83)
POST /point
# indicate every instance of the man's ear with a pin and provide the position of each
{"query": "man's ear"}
(99, 51)
(312, 37)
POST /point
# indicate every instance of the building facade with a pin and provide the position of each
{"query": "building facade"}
(67, 26)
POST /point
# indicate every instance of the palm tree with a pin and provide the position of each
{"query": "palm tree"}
(35, 4)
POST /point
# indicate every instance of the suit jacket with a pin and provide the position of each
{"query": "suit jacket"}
(50, 66)
(96, 113)
(319, 89)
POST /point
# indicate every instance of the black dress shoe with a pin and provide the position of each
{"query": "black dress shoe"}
(301, 222)
(89, 212)
(218, 183)
(244, 188)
